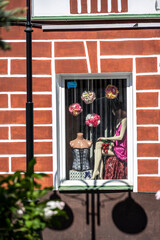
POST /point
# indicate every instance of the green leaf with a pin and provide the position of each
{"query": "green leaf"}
(28, 223)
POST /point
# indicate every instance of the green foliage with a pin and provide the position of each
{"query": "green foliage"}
(21, 212)
(6, 18)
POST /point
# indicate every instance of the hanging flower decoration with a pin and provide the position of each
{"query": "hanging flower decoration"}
(111, 92)
(75, 109)
(92, 120)
(88, 97)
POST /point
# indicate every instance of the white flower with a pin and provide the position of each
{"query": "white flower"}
(20, 213)
(157, 195)
(49, 213)
(50, 206)
(55, 204)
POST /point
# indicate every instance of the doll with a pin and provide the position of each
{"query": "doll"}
(118, 146)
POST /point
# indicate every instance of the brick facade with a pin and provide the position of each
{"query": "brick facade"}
(133, 51)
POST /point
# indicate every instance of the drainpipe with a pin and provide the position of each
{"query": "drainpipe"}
(29, 103)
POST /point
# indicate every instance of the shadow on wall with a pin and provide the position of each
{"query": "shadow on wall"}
(64, 222)
(128, 216)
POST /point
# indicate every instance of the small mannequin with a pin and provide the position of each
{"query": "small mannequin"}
(80, 142)
(80, 149)
(121, 115)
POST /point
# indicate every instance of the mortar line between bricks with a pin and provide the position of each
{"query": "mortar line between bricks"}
(148, 91)
(9, 164)
(11, 172)
(24, 155)
(148, 108)
(149, 141)
(70, 58)
(148, 175)
(9, 133)
(159, 132)
(21, 109)
(87, 57)
(128, 56)
(147, 125)
(23, 125)
(98, 57)
(24, 93)
(148, 158)
(148, 73)
(24, 58)
(23, 140)
(24, 75)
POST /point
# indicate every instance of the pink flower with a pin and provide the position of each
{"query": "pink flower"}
(157, 195)
(87, 122)
(93, 120)
(75, 109)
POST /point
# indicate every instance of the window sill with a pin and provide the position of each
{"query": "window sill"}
(95, 188)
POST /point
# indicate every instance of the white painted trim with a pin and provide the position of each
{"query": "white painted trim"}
(102, 26)
(119, 6)
(148, 108)
(24, 155)
(69, 58)
(148, 90)
(99, 5)
(149, 141)
(12, 172)
(79, 6)
(23, 125)
(22, 109)
(9, 164)
(54, 120)
(158, 166)
(87, 56)
(9, 101)
(24, 75)
(148, 175)
(89, 6)
(95, 183)
(148, 158)
(77, 40)
(61, 145)
(24, 58)
(9, 66)
(128, 56)
(49, 93)
(98, 57)
(148, 74)
(9, 133)
(109, 6)
(134, 104)
(23, 140)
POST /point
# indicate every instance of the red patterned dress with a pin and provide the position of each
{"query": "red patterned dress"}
(116, 166)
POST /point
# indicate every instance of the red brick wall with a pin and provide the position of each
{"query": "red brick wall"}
(133, 51)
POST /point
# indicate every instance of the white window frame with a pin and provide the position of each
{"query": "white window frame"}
(59, 162)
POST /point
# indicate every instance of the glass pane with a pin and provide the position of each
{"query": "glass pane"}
(88, 119)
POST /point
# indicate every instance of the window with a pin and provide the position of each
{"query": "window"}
(77, 163)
